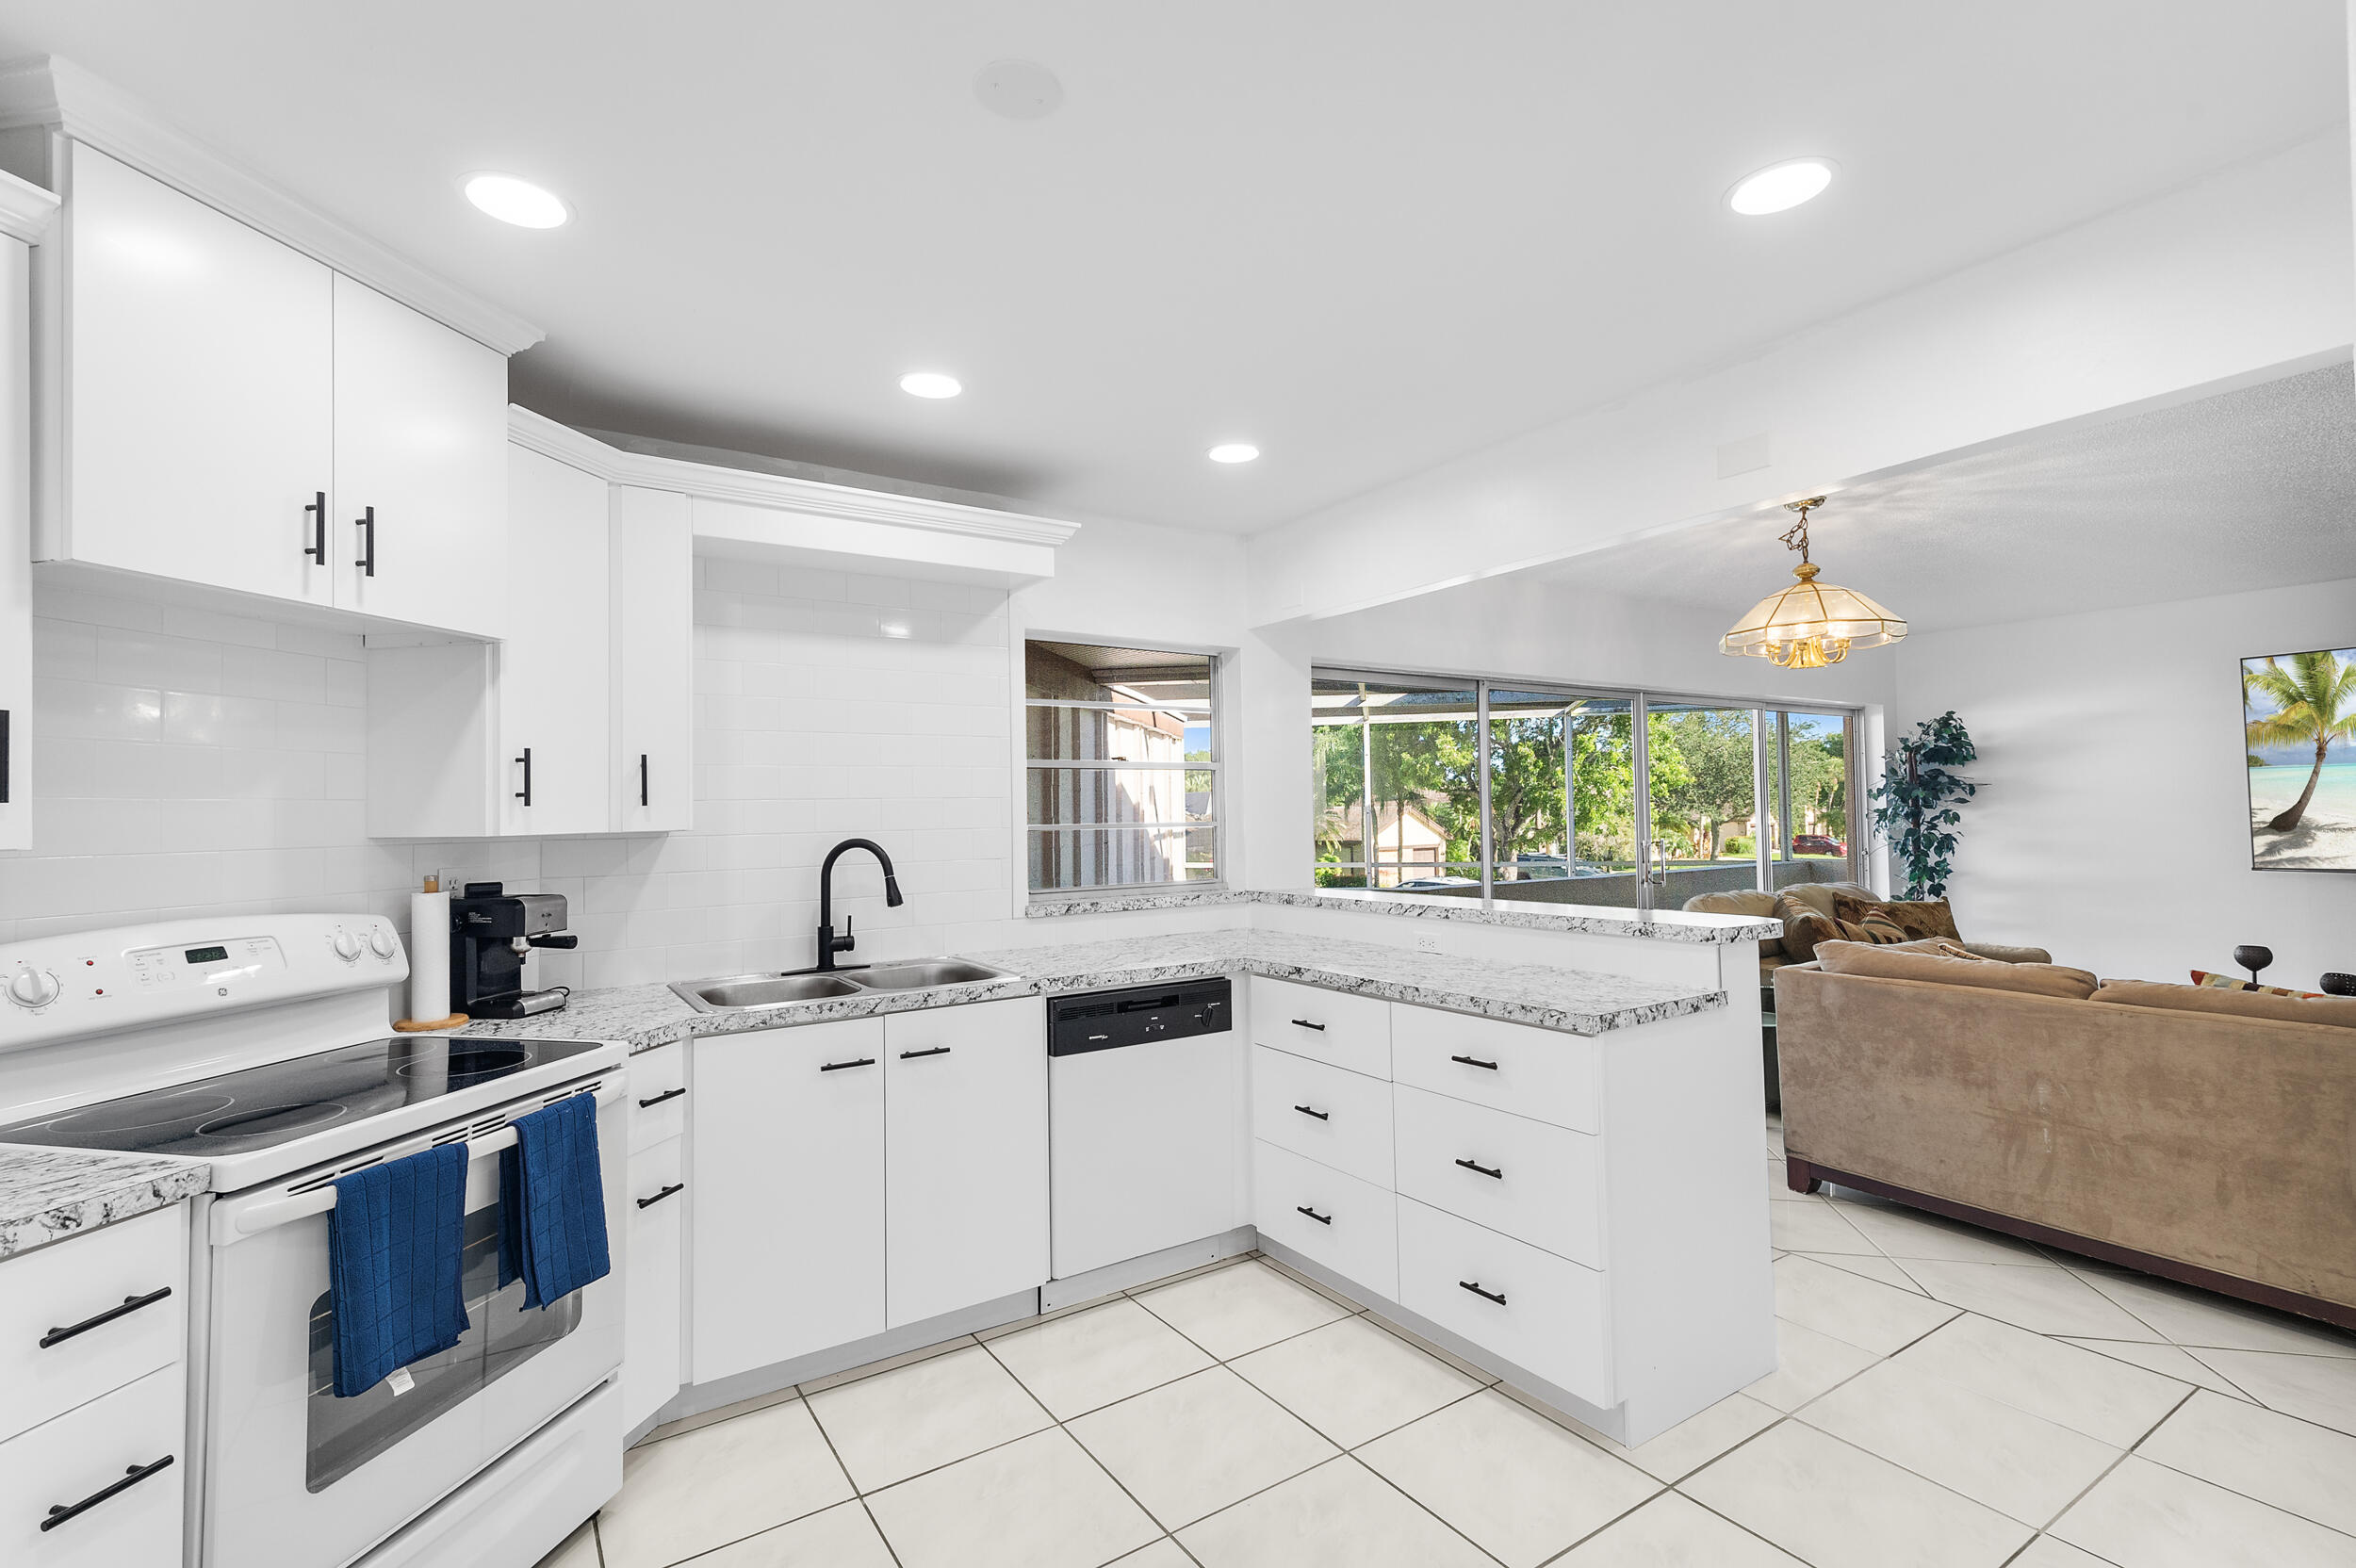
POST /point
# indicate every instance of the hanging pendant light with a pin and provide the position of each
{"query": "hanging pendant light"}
(1810, 624)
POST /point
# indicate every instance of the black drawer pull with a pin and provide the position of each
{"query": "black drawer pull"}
(1498, 1173)
(368, 558)
(1474, 1061)
(1321, 1116)
(673, 1190)
(130, 1305)
(1485, 1295)
(61, 1512)
(1320, 1219)
(837, 1067)
(1304, 1023)
(666, 1094)
(316, 548)
(934, 1050)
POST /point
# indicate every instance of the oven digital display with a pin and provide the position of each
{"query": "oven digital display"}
(207, 955)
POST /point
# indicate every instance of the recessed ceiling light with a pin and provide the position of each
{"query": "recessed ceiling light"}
(930, 384)
(1233, 451)
(518, 201)
(1781, 186)
(1018, 89)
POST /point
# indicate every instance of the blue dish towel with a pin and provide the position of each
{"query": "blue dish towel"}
(395, 1244)
(552, 1202)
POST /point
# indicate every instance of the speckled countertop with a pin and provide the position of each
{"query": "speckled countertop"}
(1575, 1002)
(1669, 926)
(47, 1194)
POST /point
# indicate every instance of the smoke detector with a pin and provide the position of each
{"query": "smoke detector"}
(1018, 89)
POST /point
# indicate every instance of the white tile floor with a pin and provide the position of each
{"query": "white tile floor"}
(1947, 1398)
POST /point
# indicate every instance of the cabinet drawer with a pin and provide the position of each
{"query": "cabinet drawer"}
(1541, 1074)
(1552, 1320)
(82, 1453)
(1333, 1116)
(1348, 1225)
(1333, 1027)
(1532, 1179)
(71, 1282)
(651, 1284)
(658, 1095)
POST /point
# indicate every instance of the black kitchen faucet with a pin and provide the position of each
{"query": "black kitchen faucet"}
(828, 943)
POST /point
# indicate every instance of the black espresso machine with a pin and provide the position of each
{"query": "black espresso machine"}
(491, 933)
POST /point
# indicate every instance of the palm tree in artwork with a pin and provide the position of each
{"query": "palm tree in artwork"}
(2315, 699)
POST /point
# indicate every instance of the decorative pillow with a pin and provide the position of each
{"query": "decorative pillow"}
(2287, 1008)
(1898, 963)
(1931, 918)
(1818, 896)
(1802, 928)
(2235, 983)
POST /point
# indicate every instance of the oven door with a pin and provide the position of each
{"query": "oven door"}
(296, 1478)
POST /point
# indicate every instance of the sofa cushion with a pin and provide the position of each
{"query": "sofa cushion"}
(2235, 983)
(1929, 918)
(1888, 963)
(2004, 954)
(2337, 1010)
(1741, 901)
(1818, 896)
(1802, 928)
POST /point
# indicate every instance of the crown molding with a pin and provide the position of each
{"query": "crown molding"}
(45, 90)
(778, 492)
(25, 209)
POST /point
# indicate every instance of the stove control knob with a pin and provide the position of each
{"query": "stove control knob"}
(347, 946)
(33, 988)
(381, 943)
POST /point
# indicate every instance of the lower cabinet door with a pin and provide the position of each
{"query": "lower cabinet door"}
(965, 1155)
(132, 1440)
(651, 1282)
(1327, 1215)
(788, 1173)
(1541, 1313)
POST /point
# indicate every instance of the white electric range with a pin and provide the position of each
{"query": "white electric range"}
(260, 1046)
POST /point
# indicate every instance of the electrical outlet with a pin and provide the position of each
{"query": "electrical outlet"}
(1427, 944)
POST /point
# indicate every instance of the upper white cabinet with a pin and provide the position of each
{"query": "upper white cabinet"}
(228, 410)
(24, 214)
(652, 553)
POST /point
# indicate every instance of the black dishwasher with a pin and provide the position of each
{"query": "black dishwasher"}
(1101, 1020)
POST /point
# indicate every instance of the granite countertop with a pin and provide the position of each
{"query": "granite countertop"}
(1575, 1001)
(47, 1194)
(1673, 925)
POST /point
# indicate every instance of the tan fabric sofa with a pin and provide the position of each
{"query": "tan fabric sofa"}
(1819, 896)
(2213, 1147)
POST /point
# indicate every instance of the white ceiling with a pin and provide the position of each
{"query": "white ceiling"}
(2248, 489)
(1366, 237)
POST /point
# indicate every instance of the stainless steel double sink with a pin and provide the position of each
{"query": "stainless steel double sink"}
(748, 992)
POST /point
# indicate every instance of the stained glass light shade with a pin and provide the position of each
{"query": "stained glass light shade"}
(1811, 623)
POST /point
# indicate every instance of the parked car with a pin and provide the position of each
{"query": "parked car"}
(1817, 843)
(1431, 883)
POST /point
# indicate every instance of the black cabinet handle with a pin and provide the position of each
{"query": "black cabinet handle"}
(1304, 1023)
(671, 1191)
(61, 1512)
(316, 548)
(3, 757)
(642, 779)
(838, 1066)
(1498, 1173)
(935, 1051)
(524, 795)
(1474, 1061)
(1485, 1295)
(367, 558)
(666, 1094)
(130, 1305)
(1320, 1219)
(1321, 1116)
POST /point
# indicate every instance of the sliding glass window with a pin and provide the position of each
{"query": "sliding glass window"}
(1122, 747)
(1514, 791)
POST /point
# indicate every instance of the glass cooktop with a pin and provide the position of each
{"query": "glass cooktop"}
(239, 1112)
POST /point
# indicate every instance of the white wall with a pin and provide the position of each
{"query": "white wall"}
(2112, 824)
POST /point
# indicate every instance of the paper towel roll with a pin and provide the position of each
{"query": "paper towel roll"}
(428, 956)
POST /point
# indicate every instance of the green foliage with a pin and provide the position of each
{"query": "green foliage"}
(1741, 848)
(1715, 746)
(1913, 807)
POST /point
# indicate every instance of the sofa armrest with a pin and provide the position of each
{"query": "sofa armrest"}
(2007, 954)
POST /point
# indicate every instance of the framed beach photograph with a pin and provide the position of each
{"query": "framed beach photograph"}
(2299, 719)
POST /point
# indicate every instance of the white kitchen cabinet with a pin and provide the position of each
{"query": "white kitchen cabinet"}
(229, 411)
(471, 740)
(787, 1168)
(652, 552)
(137, 1432)
(81, 1280)
(16, 531)
(421, 469)
(965, 1155)
(652, 1284)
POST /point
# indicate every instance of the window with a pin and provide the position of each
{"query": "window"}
(1122, 747)
(1482, 788)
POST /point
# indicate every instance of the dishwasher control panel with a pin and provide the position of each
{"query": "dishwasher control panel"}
(1101, 1021)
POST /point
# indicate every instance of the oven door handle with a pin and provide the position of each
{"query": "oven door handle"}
(282, 1211)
